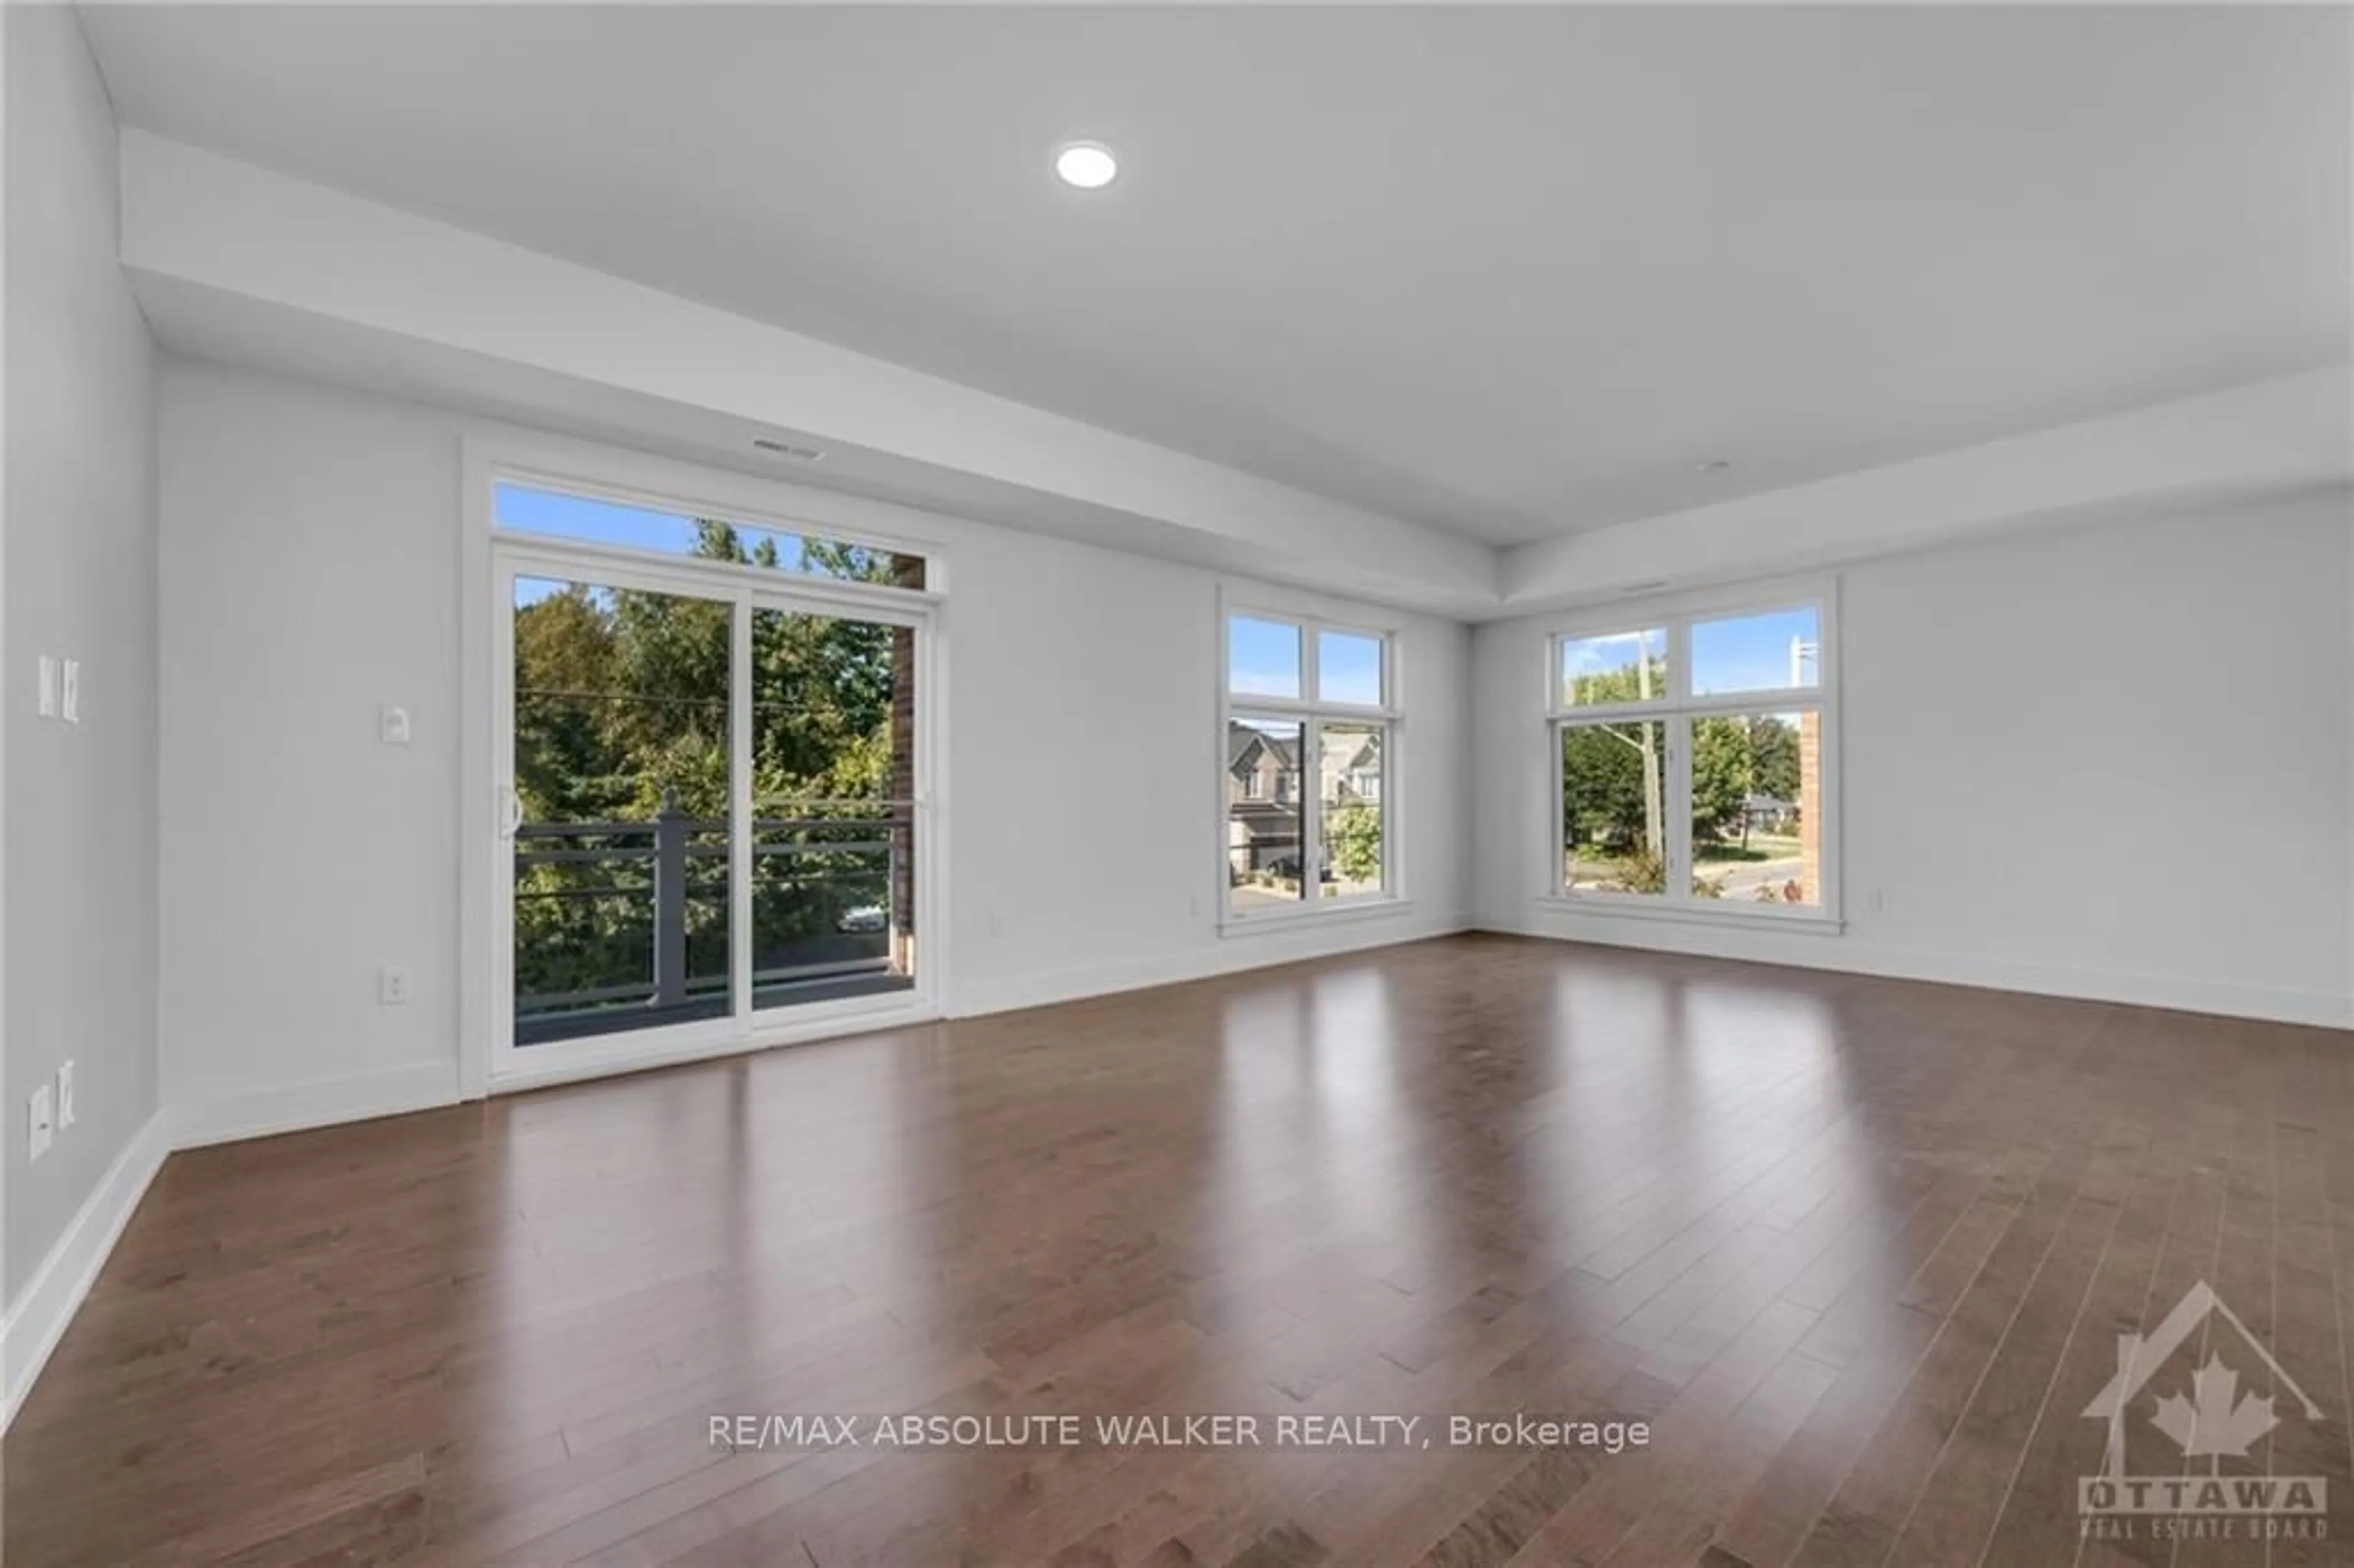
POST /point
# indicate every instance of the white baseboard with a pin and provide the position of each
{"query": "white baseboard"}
(1259, 951)
(296, 1107)
(36, 1320)
(2175, 993)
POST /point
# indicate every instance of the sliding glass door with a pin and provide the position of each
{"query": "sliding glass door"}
(708, 792)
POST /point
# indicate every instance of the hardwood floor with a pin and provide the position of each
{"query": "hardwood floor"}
(1858, 1251)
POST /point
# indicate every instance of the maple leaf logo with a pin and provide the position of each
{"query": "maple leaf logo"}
(2215, 1420)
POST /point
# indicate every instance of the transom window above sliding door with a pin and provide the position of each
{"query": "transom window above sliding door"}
(1692, 764)
(1309, 721)
(611, 522)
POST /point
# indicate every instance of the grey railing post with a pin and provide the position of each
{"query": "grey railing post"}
(671, 826)
(897, 914)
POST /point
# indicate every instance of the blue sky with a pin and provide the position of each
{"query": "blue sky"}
(528, 511)
(1263, 660)
(1752, 652)
(1748, 653)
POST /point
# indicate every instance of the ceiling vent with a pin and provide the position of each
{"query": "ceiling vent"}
(787, 450)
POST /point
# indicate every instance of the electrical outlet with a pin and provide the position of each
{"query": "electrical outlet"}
(65, 1096)
(40, 1122)
(392, 985)
(392, 726)
(70, 692)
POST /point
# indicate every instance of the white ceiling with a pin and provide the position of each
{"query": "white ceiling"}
(1508, 272)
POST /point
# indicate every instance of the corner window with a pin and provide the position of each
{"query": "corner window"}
(1693, 766)
(1309, 734)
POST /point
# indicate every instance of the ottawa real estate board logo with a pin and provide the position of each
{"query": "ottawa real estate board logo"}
(2210, 1480)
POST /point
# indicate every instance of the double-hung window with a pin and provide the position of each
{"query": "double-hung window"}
(1309, 715)
(1693, 761)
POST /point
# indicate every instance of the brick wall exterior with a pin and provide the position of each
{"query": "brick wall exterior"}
(906, 571)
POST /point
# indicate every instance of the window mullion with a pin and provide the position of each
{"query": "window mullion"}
(1558, 835)
(740, 946)
(1311, 815)
(1392, 876)
(1679, 845)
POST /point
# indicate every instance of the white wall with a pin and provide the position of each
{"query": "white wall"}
(80, 822)
(310, 572)
(310, 564)
(2112, 761)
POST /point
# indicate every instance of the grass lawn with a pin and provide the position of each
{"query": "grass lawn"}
(1762, 846)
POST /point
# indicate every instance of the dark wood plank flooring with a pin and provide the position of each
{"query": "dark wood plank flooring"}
(1858, 1251)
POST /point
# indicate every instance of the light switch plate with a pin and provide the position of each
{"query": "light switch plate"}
(70, 699)
(65, 1096)
(49, 686)
(40, 1123)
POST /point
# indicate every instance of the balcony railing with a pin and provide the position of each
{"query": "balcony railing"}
(623, 924)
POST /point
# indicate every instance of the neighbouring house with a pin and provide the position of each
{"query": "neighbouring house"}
(1769, 814)
(1264, 791)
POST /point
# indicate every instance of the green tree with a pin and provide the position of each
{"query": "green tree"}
(564, 658)
(622, 701)
(1724, 772)
(1613, 792)
(1775, 744)
(1641, 681)
(1610, 785)
(1353, 829)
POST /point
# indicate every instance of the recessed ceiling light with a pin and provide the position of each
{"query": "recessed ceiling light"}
(1089, 165)
(1712, 465)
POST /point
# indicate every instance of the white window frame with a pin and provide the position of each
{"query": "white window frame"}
(1310, 714)
(489, 558)
(1675, 712)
